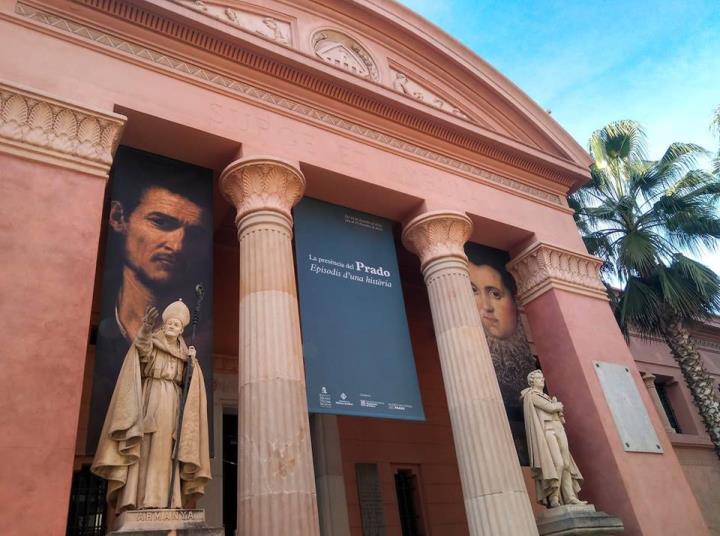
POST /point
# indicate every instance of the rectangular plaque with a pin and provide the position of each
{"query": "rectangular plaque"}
(371, 508)
(629, 413)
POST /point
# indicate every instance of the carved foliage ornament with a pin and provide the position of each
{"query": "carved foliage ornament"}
(344, 52)
(542, 267)
(262, 184)
(437, 235)
(264, 26)
(60, 131)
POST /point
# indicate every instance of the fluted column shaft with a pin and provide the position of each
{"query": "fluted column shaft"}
(496, 500)
(649, 381)
(276, 484)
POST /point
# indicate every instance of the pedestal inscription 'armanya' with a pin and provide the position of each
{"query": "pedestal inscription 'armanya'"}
(169, 515)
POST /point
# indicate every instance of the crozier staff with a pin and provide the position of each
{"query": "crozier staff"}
(136, 443)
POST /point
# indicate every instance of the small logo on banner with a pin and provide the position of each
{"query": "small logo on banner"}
(324, 398)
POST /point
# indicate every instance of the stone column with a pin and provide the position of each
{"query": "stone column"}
(276, 484)
(649, 380)
(54, 162)
(496, 500)
(329, 479)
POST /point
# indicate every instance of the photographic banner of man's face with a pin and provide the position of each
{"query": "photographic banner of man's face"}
(494, 291)
(158, 248)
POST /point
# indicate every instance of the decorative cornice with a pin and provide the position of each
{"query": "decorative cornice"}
(706, 344)
(262, 183)
(437, 235)
(542, 267)
(295, 108)
(38, 127)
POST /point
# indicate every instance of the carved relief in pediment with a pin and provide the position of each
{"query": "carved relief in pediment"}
(264, 26)
(406, 86)
(345, 53)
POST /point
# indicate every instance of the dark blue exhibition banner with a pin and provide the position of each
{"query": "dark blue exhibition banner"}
(358, 357)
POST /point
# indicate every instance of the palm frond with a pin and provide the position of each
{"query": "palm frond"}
(703, 282)
(715, 122)
(640, 307)
(638, 215)
(637, 252)
(618, 140)
(678, 160)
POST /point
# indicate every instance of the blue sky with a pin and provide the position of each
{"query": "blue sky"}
(654, 61)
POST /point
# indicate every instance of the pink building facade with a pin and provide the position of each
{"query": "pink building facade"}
(358, 103)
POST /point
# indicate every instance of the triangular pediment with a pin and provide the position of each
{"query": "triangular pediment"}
(389, 45)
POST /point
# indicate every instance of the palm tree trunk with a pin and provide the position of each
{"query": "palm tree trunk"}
(701, 384)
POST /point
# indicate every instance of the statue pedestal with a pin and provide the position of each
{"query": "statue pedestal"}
(164, 522)
(577, 520)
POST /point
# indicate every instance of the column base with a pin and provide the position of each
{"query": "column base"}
(164, 522)
(578, 520)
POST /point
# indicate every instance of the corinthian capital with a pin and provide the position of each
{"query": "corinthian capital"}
(437, 235)
(542, 267)
(45, 129)
(262, 183)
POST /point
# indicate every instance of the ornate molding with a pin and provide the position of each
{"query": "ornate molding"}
(329, 120)
(265, 26)
(410, 88)
(542, 267)
(262, 183)
(344, 52)
(706, 344)
(699, 342)
(437, 235)
(38, 127)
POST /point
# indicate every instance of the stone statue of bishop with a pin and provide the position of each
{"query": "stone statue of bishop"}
(137, 441)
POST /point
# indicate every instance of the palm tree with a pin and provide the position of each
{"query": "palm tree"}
(639, 216)
(715, 127)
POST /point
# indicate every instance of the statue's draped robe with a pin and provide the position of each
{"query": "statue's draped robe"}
(542, 467)
(135, 448)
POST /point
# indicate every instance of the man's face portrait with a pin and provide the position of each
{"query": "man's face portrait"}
(158, 248)
(494, 301)
(159, 233)
(493, 288)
